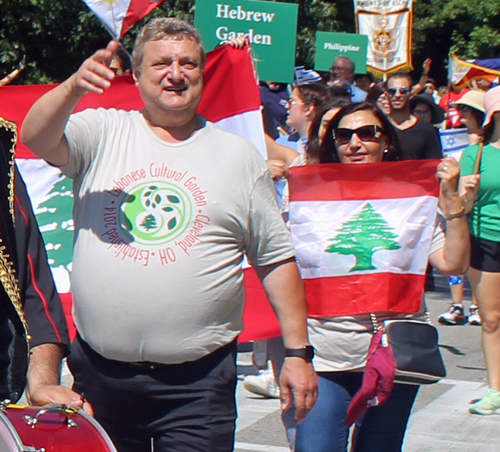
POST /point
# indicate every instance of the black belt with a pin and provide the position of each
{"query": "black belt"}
(144, 365)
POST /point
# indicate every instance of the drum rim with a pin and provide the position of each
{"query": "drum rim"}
(12, 430)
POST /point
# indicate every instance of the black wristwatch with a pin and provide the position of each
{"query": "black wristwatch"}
(306, 352)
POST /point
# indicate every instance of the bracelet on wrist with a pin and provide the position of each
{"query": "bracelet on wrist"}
(459, 214)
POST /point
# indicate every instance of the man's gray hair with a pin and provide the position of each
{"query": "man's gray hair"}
(163, 27)
(351, 64)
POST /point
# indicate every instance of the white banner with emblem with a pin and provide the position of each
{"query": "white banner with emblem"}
(388, 25)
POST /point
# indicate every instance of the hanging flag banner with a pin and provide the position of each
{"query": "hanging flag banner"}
(233, 108)
(463, 73)
(119, 15)
(388, 25)
(363, 234)
(270, 27)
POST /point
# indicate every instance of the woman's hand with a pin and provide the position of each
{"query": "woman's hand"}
(448, 172)
(454, 257)
(469, 186)
(278, 168)
(450, 202)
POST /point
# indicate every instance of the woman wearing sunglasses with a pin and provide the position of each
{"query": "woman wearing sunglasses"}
(359, 134)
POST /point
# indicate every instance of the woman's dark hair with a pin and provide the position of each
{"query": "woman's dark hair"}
(328, 151)
(313, 147)
(374, 92)
(478, 116)
(313, 94)
(487, 131)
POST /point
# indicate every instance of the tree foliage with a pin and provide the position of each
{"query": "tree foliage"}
(56, 36)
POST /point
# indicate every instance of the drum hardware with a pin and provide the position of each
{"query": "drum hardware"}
(50, 428)
(70, 423)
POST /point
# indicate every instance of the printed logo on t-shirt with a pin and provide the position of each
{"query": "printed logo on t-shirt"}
(153, 214)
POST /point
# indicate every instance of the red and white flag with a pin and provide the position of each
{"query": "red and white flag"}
(230, 98)
(363, 234)
(463, 74)
(119, 15)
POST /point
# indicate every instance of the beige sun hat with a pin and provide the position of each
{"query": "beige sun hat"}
(473, 98)
(491, 103)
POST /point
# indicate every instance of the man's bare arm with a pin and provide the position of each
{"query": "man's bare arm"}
(43, 127)
(285, 291)
(44, 379)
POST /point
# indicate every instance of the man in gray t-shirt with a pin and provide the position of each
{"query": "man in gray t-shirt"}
(166, 206)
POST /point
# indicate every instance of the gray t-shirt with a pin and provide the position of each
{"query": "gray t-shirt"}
(160, 233)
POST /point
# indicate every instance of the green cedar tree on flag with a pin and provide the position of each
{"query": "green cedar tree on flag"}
(363, 234)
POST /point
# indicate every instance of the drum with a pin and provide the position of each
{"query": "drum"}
(51, 428)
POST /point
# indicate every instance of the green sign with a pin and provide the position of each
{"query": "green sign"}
(271, 28)
(331, 45)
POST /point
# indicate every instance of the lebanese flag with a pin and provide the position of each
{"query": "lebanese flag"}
(119, 16)
(231, 99)
(461, 73)
(363, 234)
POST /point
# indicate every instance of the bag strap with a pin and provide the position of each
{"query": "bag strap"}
(380, 327)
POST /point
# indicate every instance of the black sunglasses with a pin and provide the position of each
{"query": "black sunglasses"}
(464, 108)
(404, 91)
(365, 133)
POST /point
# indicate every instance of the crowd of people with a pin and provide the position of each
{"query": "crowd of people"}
(395, 120)
(154, 357)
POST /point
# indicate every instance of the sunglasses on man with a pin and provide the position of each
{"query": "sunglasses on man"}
(403, 91)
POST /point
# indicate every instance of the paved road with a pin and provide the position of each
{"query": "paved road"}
(440, 421)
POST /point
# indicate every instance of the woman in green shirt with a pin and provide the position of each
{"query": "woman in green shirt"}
(481, 184)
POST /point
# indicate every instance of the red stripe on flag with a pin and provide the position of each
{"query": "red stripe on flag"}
(67, 303)
(259, 319)
(229, 71)
(341, 182)
(136, 11)
(354, 294)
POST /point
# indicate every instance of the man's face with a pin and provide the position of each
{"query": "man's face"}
(170, 76)
(423, 112)
(398, 91)
(341, 70)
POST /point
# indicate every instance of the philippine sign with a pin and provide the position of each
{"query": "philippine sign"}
(270, 27)
(332, 45)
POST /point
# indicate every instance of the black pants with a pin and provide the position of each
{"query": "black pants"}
(183, 407)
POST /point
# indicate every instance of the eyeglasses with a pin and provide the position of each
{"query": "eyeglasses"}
(421, 112)
(463, 108)
(403, 91)
(338, 68)
(291, 101)
(365, 133)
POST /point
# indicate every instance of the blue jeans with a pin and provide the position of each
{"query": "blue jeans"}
(381, 429)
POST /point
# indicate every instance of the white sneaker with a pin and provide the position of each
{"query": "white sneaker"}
(263, 384)
(454, 316)
(473, 317)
